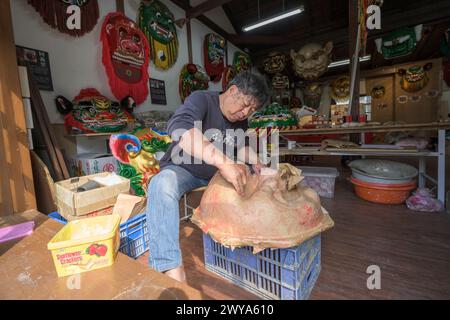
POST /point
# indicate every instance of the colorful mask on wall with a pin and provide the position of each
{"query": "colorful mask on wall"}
(214, 53)
(312, 95)
(158, 24)
(54, 13)
(400, 42)
(414, 78)
(125, 57)
(228, 74)
(340, 89)
(241, 61)
(139, 156)
(274, 115)
(445, 43)
(274, 63)
(91, 112)
(192, 78)
(280, 81)
(312, 60)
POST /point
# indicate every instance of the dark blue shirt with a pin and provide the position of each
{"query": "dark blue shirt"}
(203, 106)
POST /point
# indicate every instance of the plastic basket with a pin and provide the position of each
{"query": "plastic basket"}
(133, 234)
(280, 274)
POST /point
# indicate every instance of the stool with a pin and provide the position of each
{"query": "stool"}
(187, 207)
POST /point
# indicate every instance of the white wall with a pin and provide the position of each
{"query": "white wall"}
(76, 62)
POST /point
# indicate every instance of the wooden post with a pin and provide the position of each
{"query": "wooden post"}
(189, 40)
(16, 177)
(120, 7)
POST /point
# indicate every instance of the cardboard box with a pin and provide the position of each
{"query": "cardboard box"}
(71, 202)
(92, 163)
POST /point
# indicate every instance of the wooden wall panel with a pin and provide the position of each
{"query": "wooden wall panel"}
(16, 174)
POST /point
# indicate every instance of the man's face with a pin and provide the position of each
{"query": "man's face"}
(237, 106)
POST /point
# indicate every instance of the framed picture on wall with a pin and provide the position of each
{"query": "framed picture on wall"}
(39, 64)
(158, 91)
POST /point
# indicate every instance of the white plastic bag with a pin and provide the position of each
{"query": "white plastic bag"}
(422, 200)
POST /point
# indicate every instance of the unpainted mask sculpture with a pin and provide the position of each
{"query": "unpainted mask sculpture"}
(274, 212)
(280, 81)
(312, 95)
(312, 60)
(274, 63)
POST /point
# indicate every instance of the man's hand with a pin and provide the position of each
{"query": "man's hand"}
(236, 174)
(257, 167)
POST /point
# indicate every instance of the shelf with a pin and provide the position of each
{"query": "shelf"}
(93, 134)
(369, 128)
(366, 152)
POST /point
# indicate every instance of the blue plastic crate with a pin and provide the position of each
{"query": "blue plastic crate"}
(282, 274)
(133, 234)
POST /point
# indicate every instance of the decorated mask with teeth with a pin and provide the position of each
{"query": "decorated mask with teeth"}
(125, 57)
(214, 53)
(157, 22)
(91, 112)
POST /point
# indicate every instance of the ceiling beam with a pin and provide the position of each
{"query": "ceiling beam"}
(194, 12)
(232, 19)
(208, 22)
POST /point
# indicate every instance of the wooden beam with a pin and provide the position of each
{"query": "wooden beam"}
(120, 6)
(207, 22)
(189, 40)
(194, 12)
(237, 28)
(16, 175)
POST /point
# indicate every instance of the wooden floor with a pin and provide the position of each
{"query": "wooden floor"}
(412, 250)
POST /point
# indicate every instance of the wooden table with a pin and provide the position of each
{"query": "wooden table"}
(27, 272)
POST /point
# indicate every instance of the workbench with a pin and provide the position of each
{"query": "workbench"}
(440, 127)
(27, 272)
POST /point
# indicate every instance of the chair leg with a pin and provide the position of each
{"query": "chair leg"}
(186, 215)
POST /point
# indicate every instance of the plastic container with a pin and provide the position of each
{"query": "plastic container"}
(133, 234)
(383, 193)
(280, 274)
(85, 245)
(320, 179)
(365, 178)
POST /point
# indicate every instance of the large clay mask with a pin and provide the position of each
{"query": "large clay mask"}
(273, 213)
(312, 60)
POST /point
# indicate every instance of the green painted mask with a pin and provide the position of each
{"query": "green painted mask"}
(399, 43)
(241, 61)
(158, 25)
